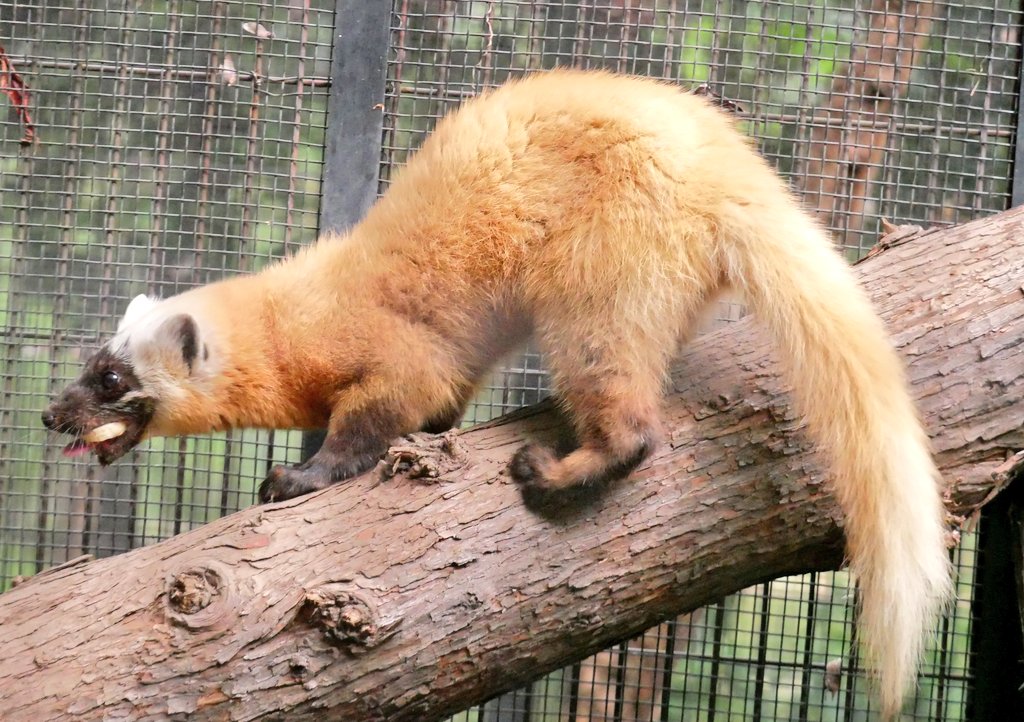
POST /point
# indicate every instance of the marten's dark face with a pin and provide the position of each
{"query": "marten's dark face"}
(136, 385)
(107, 394)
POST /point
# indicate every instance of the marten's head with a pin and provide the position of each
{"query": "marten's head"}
(131, 386)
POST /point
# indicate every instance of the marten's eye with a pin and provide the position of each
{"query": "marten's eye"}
(110, 380)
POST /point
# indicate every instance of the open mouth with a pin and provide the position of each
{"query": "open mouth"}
(78, 447)
(107, 441)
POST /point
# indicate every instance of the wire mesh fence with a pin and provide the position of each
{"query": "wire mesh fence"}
(173, 146)
(179, 141)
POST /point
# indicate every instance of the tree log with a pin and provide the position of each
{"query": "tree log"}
(427, 585)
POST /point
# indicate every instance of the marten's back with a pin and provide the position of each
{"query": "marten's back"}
(571, 176)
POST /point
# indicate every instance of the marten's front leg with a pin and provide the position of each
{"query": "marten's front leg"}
(366, 417)
(355, 441)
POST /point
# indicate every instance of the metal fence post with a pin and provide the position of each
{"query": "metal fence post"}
(997, 669)
(355, 123)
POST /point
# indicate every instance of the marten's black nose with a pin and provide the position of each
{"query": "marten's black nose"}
(49, 420)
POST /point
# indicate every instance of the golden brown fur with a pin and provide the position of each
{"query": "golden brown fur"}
(600, 214)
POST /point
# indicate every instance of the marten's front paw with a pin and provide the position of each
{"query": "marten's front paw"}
(319, 472)
(288, 482)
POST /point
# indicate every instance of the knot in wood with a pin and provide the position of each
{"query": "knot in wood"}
(345, 619)
(424, 456)
(199, 596)
(193, 590)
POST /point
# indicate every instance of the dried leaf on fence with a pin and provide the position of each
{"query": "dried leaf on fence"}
(228, 73)
(706, 91)
(258, 30)
(14, 88)
(833, 675)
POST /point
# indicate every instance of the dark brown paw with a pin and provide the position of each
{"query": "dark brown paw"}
(530, 466)
(288, 482)
(545, 491)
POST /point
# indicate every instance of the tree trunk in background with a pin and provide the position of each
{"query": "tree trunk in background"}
(850, 135)
(409, 598)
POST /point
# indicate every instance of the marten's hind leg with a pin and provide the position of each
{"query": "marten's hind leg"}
(613, 397)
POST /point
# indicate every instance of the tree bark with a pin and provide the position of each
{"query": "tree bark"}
(410, 597)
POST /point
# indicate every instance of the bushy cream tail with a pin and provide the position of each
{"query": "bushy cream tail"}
(851, 387)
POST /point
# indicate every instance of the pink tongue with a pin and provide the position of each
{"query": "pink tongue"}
(76, 448)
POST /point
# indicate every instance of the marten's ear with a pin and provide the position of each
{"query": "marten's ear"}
(136, 309)
(178, 338)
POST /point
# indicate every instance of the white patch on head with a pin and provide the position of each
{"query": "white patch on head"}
(136, 309)
(148, 342)
(144, 312)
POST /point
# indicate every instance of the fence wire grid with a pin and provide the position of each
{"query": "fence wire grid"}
(180, 141)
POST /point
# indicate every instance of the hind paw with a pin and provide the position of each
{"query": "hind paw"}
(531, 467)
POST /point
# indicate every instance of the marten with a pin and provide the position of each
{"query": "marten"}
(600, 215)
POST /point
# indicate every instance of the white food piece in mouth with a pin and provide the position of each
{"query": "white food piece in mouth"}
(105, 432)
